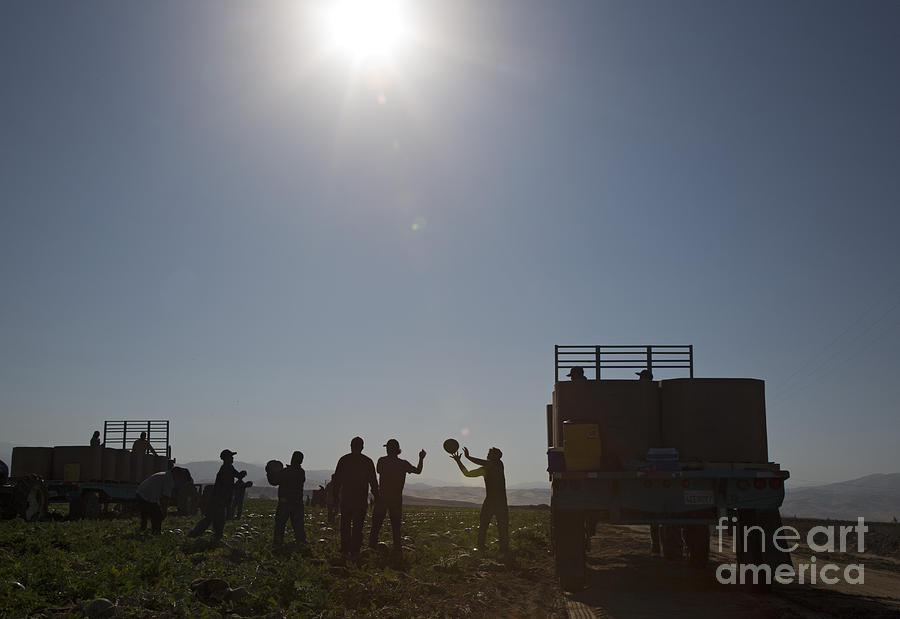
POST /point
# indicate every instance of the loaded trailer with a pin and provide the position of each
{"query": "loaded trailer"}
(677, 454)
(89, 479)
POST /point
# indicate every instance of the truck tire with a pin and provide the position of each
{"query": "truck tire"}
(30, 498)
(569, 543)
(696, 539)
(751, 553)
(770, 521)
(90, 505)
(670, 537)
(76, 508)
(7, 503)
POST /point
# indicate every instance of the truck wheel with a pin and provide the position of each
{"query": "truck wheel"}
(696, 539)
(568, 534)
(76, 512)
(90, 505)
(751, 553)
(30, 498)
(670, 536)
(770, 521)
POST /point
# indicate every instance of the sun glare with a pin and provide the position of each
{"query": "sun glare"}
(367, 29)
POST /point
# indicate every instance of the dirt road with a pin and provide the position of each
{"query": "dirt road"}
(626, 582)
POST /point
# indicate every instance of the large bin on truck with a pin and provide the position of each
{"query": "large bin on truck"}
(678, 454)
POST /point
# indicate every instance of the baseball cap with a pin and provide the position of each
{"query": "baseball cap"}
(227, 452)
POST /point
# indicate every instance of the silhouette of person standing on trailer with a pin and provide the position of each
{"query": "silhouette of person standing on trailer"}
(392, 471)
(645, 374)
(353, 476)
(495, 493)
(95, 439)
(576, 373)
(140, 446)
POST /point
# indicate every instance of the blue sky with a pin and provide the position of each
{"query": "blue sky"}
(210, 216)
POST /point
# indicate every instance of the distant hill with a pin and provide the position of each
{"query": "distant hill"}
(874, 497)
(205, 472)
(465, 495)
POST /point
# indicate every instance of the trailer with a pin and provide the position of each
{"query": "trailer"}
(91, 479)
(678, 455)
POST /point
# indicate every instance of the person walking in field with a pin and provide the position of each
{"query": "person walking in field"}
(221, 494)
(290, 501)
(495, 493)
(331, 500)
(392, 476)
(353, 476)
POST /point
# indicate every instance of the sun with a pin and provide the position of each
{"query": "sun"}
(367, 29)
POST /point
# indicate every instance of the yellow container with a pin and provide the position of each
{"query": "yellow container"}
(581, 443)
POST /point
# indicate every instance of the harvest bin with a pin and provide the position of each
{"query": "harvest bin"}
(626, 412)
(715, 419)
(27, 460)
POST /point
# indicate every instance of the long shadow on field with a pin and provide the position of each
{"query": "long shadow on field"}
(624, 584)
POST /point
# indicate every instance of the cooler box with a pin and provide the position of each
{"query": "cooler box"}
(581, 445)
(556, 460)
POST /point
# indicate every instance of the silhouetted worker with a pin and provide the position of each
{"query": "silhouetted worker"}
(354, 475)
(576, 374)
(392, 476)
(646, 374)
(331, 500)
(495, 493)
(142, 445)
(221, 494)
(149, 499)
(236, 506)
(290, 501)
(95, 439)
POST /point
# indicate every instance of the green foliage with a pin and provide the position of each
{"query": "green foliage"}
(62, 565)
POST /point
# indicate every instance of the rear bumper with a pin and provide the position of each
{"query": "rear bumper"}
(678, 497)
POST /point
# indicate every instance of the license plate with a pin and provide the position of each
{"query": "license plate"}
(698, 497)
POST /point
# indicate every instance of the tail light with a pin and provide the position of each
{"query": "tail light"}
(759, 484)
(667, 483)
(648, 483)
(685, 483)
(775, 483)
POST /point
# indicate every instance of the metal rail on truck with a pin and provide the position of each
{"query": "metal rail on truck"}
(600, 357)
(124, 433)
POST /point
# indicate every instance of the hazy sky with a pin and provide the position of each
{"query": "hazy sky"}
(209, 214)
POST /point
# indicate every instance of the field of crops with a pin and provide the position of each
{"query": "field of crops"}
(59, 567)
